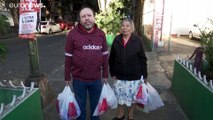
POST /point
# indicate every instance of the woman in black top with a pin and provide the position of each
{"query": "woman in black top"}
(127, 63)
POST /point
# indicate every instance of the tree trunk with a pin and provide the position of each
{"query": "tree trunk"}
(15, 15)
(33, 58)
(138, 15)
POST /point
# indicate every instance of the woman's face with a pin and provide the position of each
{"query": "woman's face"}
(126, 28)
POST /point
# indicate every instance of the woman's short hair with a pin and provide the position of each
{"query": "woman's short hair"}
(131, 23)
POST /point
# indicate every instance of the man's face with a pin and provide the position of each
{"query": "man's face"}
(87, 18)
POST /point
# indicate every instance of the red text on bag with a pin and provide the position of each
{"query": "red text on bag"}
(72, 112)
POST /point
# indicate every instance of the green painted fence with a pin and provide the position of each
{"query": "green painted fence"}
(27, 108)
(193, 95)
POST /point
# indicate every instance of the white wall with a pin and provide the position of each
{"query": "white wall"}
(185, 13)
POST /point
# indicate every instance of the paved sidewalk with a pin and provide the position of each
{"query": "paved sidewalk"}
(156, 77)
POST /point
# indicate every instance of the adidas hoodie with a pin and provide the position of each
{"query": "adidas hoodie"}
(86, 55)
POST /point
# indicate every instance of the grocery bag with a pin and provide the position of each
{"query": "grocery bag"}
(67, 105)
(154, 100)
(141, 95)
(107, 100)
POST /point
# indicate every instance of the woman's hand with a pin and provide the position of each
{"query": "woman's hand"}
(145, 81)
(114, 77)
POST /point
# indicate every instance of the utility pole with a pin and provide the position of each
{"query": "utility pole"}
(35, 75)
(33, 53)
(28, 17)
(170, 32)
(33, 58)
(40, 10)
(27, 25)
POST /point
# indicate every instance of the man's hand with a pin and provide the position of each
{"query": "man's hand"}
(68, 83)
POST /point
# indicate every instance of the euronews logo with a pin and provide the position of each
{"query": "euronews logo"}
(26, 6)
(92, 47)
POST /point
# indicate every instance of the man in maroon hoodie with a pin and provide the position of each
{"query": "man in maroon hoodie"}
(86, 59)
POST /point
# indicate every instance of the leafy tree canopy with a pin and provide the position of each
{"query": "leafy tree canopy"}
(4, 25)
(207, 42)
(110, 19)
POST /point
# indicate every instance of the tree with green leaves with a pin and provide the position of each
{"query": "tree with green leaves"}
(109, 20)
(4, 25)
(3, 52)
(4, 28)
(207, 43)
(112, 11)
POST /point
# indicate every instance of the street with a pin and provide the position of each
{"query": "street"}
(180, 46)
(51, 56)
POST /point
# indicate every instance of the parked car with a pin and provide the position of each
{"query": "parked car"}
(48, 27)
(195, 30)
(65, 25)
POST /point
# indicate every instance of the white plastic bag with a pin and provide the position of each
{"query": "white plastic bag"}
(112, 100)
(107, 100)
(67, 105)
(154, 100)
(141, 95)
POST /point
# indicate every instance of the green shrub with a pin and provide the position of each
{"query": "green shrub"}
(207, 43)
(4, 25)
(3, 48)
(3, 51)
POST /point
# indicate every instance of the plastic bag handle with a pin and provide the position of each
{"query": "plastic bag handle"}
(142, 80)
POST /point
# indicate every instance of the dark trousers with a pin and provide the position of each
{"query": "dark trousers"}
(94, 89)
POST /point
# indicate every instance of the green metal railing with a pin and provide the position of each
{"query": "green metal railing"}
(20, 103)
(193, 92)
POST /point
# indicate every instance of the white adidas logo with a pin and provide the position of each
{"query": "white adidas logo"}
(92, 47)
